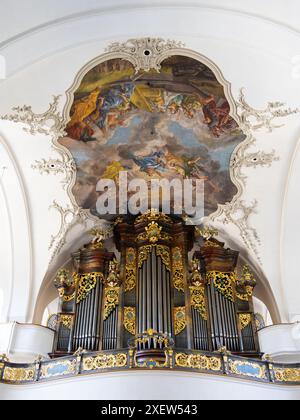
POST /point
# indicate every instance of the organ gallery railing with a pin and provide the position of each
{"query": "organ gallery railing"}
(86, 363)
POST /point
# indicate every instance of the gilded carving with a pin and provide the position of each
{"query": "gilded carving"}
(66, 320)
(287, 374)
(178, 269)
(163, 252)
(130, 319)
(198, 361)
(112, 290)
(198, 300)
(223, 282)
(179, 319)
(11, 374)
(144, 252)
(105, 361)
(153, 232)
(87, 282)
(130, 269)
(245, 320)
(153, 216)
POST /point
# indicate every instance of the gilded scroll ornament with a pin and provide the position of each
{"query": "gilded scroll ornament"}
(162, 251)
(223, 282)
(66, 321)
(130, 319)
(86, 283)
(178, 270)
(18, 374)
(198, 361)
(130, 269)
(153, 232)
(111, 300)
(287, 375)
(179, 319)
(245, 320)
(198, 300)
(105, 361)
(144, 252)
(153, 216)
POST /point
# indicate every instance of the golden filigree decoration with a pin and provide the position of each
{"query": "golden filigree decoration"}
(69, 298)
(86, 283)
(287, 375)
(162, 251)
(11, 374)
(153, 232)
(130, 269)
(105, 361)
(178, 269)
(144, 252)
(245, 320)
(179, 319)
(223, 282)
(130, 319)
(66, 321)
(198, 301)
(153, 216)
(207, 232)
(111, 299)
(211, 244)
(198, 361)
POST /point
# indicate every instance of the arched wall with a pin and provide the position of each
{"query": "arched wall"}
(252, 51)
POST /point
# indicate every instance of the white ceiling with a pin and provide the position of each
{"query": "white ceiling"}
(45, 44)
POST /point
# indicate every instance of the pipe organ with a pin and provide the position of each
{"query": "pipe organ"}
(162, 284)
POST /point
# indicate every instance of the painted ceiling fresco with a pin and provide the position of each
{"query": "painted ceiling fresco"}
(171, 124)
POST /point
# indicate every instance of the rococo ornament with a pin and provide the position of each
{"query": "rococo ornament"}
(105, 361)
(130, 319)
(179, 319)
(130, 269)
(153, 232)
(66, 321)
(86, 283)
(223, 282)
(245, 320)
(177, 269)
(146, 53)
(287, 374)
(197, 361)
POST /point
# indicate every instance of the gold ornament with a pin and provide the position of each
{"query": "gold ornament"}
(153, 216)
(163, 252)
(198, 300)
(58, 369)
(105, 361)
(198, 361)
(153, 232)
(179, 319)
(177, 266)
(245, 320)
(66, 321)
(18, 374)
(130, 269)
(130, 319)
(287, 375)
(223, 282)
(111, 299)
(86, 283)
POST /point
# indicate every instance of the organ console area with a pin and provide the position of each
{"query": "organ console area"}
(164, 288)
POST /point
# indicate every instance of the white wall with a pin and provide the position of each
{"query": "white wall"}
(252, 46)
(150, 386)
